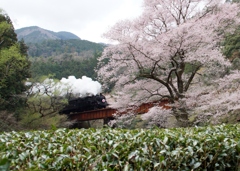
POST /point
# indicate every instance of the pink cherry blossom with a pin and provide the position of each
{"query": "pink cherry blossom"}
(163, 53)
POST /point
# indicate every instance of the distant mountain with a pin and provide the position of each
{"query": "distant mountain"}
(35, 34)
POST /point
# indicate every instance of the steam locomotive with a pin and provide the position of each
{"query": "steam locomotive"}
(85, 104)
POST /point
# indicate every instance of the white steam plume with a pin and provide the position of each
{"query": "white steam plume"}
(81, 87)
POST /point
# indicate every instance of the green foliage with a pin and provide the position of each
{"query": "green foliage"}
(4, 27)
(14, 67)
(7, 35)
(4, 164)
(43, 106)
(8, 122)
(23, 47)
(63, 58)
(64, 67)
(13, 72)
(56, 47)
(199, 148)
(233, 1)
(231, 48)
(231, 44)
(35, 121)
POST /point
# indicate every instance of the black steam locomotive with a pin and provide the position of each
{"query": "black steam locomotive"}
(85, 104)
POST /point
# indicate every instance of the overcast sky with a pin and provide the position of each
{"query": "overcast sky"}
(88, 19)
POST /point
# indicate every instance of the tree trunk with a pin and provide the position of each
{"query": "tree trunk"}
(181, 115)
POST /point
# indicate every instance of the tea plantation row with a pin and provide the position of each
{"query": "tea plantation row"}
(198, 148)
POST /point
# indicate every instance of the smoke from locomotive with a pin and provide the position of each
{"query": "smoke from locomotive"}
(85, 104)
(80, 87)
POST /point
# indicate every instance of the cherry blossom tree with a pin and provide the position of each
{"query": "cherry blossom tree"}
(163, 53)
(217, 100)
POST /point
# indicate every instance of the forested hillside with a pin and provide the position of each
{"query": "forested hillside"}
(62, 58)
(59, 54)
(64, 66)
(57, 47)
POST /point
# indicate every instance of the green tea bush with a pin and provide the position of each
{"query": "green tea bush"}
(198, 148)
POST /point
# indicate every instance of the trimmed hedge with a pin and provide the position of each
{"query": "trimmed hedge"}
(199, 148)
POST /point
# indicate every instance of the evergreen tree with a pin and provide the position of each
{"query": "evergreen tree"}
(14, 66)
(23, 48)
(8, 36)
